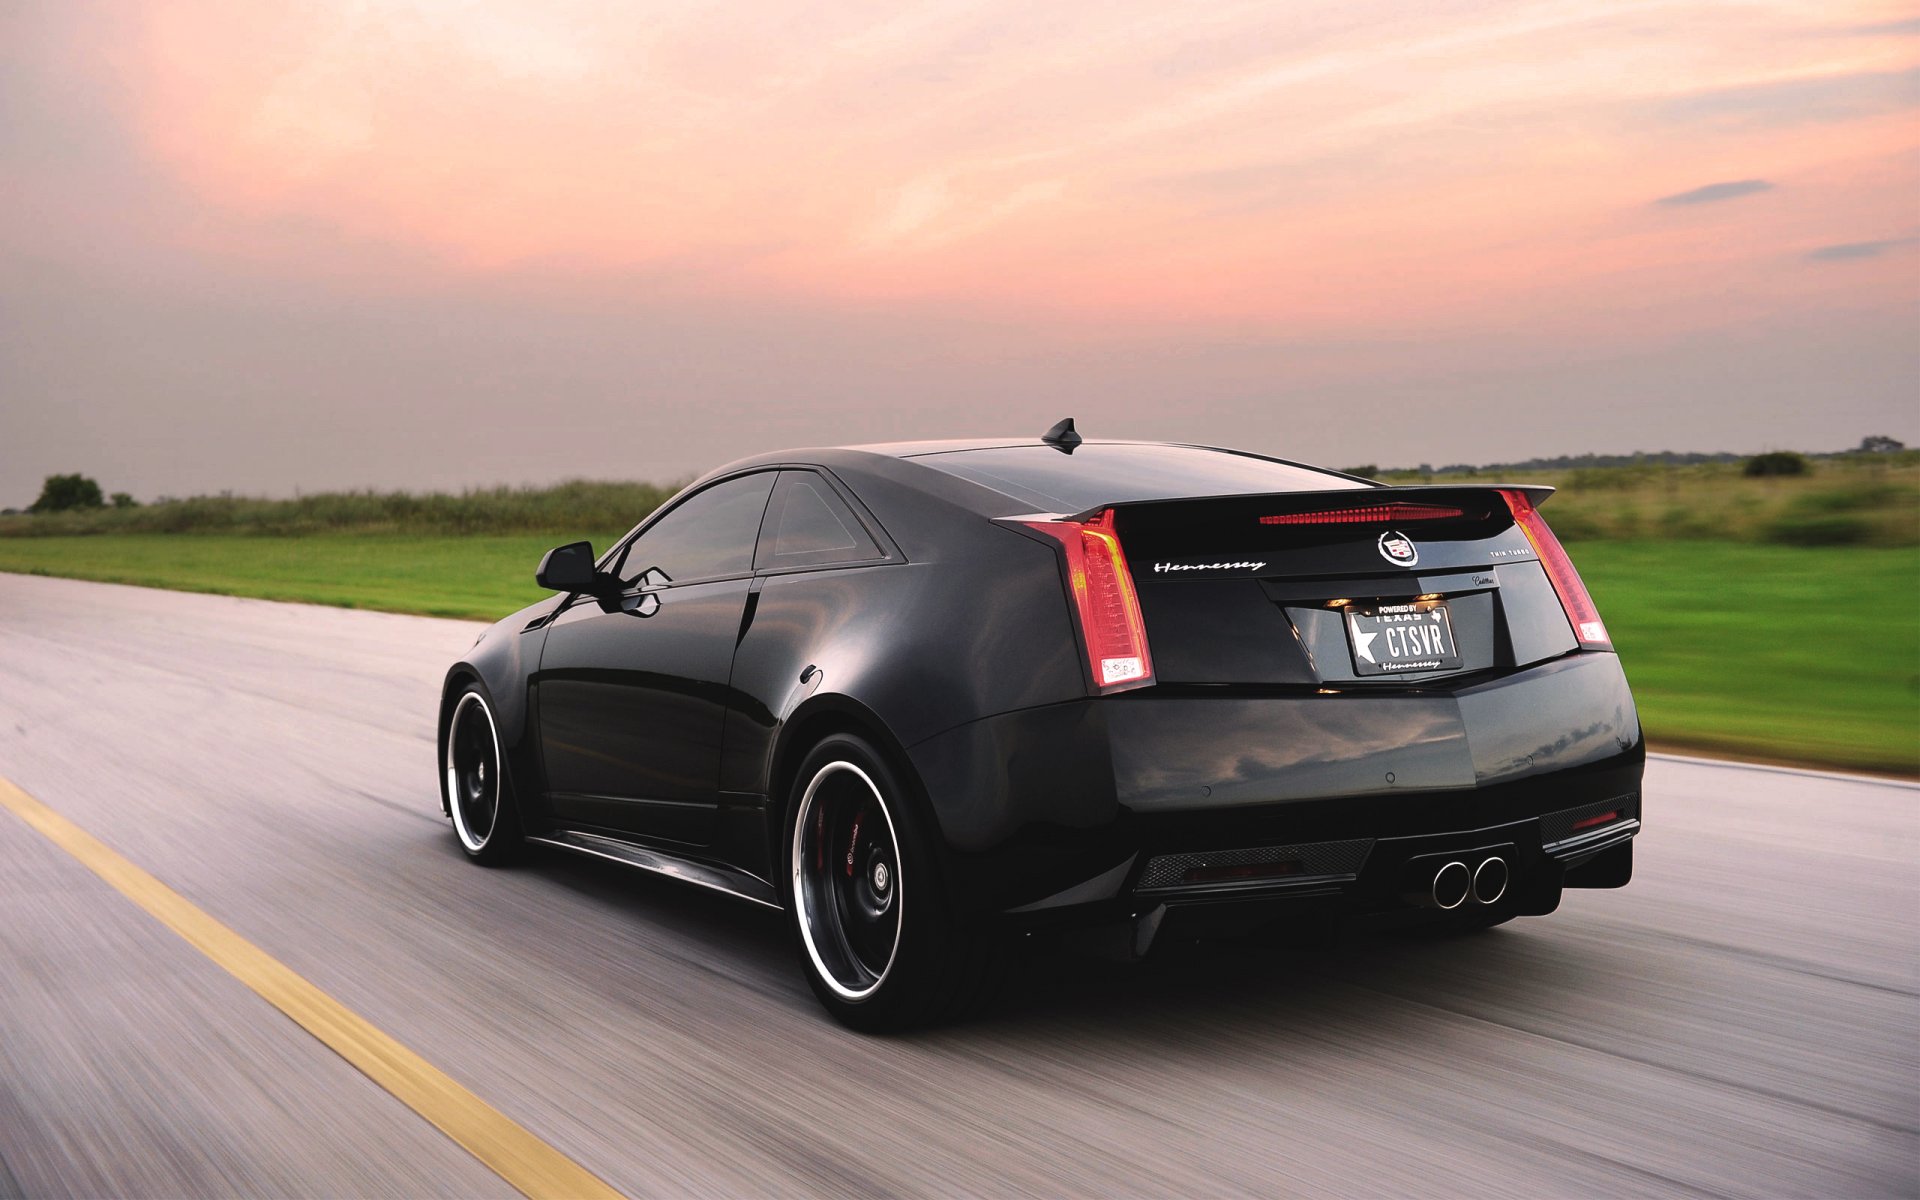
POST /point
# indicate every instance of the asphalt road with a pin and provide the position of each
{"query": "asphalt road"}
(1742, 1020)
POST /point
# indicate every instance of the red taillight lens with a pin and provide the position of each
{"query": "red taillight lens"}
(1104, 600)
(1371, 514)
(1587, 626)
(1605, 818)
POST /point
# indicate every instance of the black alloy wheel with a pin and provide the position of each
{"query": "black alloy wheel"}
(478, 798)
(881, 944)
(847, 883)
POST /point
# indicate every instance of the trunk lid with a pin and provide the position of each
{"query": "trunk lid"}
(1399, 586)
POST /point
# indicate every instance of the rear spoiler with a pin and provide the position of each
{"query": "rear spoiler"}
(1468, 498)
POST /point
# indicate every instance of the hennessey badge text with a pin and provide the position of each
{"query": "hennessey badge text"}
(1219, 566)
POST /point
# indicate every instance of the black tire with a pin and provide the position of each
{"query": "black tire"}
(480, 799)
(878, 939)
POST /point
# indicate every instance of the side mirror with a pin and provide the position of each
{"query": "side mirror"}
(568, 568)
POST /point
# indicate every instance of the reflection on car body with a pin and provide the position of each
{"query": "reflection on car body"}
(916, 696)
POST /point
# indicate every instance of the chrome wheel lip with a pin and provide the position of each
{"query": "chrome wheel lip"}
(455, 802)
(797, 862)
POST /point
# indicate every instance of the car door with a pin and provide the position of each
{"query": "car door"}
(631, 694)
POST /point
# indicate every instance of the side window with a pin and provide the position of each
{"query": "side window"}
(709, 535)
(808, 525)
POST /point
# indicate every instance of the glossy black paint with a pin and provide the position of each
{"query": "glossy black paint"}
(567, 568)
(674, 713)
(631, 709)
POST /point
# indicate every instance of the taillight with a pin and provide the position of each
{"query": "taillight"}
(1104, 601)
(1390, 514)
(1585, 618)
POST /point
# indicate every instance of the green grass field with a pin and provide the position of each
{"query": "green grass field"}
(1786, 653)
(1800, 654)
(484, 576)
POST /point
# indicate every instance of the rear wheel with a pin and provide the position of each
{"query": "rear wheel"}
(485, 819)
(877, 937)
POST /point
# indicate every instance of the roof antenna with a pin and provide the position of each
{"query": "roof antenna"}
(1062, 437)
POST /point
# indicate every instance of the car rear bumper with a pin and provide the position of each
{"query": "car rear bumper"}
(1391, 887)
(1061, 811)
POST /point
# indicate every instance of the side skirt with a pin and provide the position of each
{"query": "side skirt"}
(705, 874)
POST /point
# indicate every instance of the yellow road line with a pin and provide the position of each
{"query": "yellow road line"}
(506, 1147)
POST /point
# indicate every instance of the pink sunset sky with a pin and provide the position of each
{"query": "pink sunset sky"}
(264, 244)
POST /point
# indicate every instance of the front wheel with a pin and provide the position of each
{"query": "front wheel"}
(479, 798)
(878, 939)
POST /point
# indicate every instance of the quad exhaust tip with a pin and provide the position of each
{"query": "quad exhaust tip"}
(1455, 883)
(1490, 880)
(1452, 884)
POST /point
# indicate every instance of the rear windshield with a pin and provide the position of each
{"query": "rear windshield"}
(1108, 473)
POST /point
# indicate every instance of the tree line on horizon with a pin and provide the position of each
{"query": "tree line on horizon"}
(1778, 460)
(76, 493)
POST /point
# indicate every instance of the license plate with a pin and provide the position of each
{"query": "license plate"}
(1394, 639)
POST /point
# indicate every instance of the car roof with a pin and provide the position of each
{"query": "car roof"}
(846, 455)
(958, 445)
(997, 484)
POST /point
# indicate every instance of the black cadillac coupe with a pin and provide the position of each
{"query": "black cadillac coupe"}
(924, 695)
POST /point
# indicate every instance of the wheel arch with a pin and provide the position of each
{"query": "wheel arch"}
(507, 703)
(821, 716)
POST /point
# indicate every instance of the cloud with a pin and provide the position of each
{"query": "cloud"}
(1800, 101)
(1886, 28)
(1718, 191)
(1848, 251)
